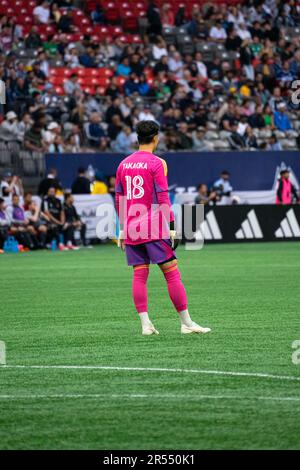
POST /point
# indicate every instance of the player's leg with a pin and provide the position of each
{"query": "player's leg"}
(140, 297)
(137, 257)
(178, 296)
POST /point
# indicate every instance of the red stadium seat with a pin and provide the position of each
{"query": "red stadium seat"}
(59, 90)
(129, 20)
(112, 12)
(57, 80)
(89, 90)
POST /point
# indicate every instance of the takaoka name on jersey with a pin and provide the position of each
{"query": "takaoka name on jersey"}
(135, 165)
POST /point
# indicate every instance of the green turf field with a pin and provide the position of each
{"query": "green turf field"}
(75, 308)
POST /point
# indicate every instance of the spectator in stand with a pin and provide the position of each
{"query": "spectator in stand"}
(200, 143)
(71, 85)
(71, 57)
(124, 69)
(143, 87)
(20, 226)
(113, 109)
(274, 144)
(98, 15)
(235, 139)
(268, 117)
(159, 48)
(276, 99)
(175, 63)
(55, 13)
(123, 142)
(33, 39)
(53, 138)
(42, 58)
(218, 33)
(180, 16)
(250, 139)
(9, 128)
(137, 64)
(281, 119)
(161, 65)
(41, 12)
(205, 197)
(54, 215)
(38, 73)
(81, 184)
(233, 41)
(50, 181)
(66, 23)
(25, 124)
(146, 114)
(11, 185)
(33, 139)
(243, 32)
(286, 191)
(167, 15)
(185, 140)
(6, 39)
(72, 223)
(131, 85)
(27, 200)
(99, 185)
(114, 128)
(37, 225)
(95, 132)
(201, 67)
(246, 58)
(154, 20)
(223, 186)
(235, 16)
(256, 120)
(4, 223)
(88, 59)
(228, 119)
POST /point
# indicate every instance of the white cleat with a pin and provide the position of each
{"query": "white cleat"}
(149, 330)
(194, 328)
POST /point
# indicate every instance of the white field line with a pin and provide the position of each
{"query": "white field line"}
(102, 396)
(157, 369)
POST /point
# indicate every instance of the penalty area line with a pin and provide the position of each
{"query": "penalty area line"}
(156, 369)
(131, 396)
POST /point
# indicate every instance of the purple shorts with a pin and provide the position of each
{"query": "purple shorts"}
(155, 252)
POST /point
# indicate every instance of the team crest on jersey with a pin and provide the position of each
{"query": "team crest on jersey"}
(135, 165)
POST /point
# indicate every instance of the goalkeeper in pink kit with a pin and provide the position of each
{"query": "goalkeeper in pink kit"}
(147, 231)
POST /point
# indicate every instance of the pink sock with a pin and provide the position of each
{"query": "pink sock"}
(139, 287)
(175, 286)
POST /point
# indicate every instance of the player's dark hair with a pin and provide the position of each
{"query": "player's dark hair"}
(1, 200)
(146, 131)
(67, 196)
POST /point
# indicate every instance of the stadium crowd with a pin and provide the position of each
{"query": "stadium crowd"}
(50, 219)
(214, 75)
(48, 223)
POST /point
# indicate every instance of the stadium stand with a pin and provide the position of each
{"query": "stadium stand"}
(79, 75)
(221, 73)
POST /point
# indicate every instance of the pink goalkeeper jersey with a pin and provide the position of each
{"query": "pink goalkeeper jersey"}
(142, 200)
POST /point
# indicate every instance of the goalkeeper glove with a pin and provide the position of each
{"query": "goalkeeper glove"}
(174, 240)
(121, 240)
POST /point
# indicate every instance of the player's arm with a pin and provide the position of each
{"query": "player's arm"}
(119, 201)
(162, 193)
(279, 191)
(295, 194)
